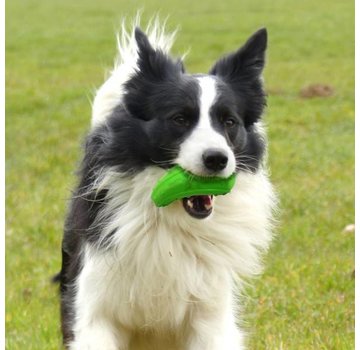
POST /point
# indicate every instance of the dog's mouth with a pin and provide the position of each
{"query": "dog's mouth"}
(199, 207)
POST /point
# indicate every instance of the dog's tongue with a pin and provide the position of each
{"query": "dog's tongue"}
(199, 206)
(207, 202)
(206, 199)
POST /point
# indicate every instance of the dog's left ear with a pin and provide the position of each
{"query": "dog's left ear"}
(154, 64)
(242, 71)
(246, 63)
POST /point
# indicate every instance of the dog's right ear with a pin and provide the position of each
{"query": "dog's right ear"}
(154, 68)
(154, 64)
(143, 44)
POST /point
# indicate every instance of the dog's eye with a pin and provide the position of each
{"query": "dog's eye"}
(228, 122)
(181, 120)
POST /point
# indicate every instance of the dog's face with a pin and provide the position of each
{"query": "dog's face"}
(204, 123)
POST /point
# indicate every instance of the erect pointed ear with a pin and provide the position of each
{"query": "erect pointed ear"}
(246, 63)
(152, 63)
(143, 43)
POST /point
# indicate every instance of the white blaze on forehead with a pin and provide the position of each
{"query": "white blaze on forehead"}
(207, 99)
(204, 136)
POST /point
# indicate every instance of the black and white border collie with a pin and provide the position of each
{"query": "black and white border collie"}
(135, 276)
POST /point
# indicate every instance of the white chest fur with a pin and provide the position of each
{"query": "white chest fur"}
(162, 266)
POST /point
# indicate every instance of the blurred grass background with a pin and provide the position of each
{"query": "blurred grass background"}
(56, 54)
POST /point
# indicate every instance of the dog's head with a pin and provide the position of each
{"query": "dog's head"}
(206, 123)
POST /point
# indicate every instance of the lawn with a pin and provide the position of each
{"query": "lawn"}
(56, 55)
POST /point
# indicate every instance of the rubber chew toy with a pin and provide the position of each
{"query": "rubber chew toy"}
(178, 183)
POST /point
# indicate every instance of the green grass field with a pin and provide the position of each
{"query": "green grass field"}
(56, 54)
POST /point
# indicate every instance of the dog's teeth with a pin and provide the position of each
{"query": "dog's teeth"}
(208, 206)
(190, 203)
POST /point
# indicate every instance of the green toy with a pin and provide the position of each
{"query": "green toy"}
(177, 183)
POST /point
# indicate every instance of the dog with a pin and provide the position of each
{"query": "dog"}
(135, 276)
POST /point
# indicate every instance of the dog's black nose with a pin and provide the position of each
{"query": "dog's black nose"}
(215, 159)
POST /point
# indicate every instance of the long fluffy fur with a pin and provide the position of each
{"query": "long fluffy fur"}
(138, 277)
(111, 92)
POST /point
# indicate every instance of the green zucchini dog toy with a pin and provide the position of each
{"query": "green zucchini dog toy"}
(178, 184)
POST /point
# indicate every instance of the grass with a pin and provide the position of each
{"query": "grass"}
(56, 53)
